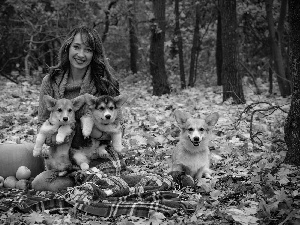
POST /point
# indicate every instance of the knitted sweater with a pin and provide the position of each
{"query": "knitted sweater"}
(61, 89)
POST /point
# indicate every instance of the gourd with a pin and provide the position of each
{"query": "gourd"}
(12, 156)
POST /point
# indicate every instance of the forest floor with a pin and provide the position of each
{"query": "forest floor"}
(250, 184)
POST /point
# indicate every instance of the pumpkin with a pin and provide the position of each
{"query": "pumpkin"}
(12, 156)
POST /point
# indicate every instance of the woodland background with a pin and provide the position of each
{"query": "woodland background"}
(32, 32)
(168, 55)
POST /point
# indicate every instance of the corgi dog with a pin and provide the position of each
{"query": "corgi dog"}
(62, 121)
(104, 117)
(191, 155)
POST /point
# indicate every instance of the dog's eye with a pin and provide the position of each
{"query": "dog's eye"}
(59, 110)
(111, 108)
(102, 108)
(201, 129)
(70, 110)
(190, 129)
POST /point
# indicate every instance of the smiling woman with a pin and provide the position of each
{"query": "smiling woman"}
(82, 68)
(80, 56)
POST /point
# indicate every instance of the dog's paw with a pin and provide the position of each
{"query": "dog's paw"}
(62, 173)
(45, 152)
(103, 154)
(84, 166)
(201, 182)
(86, 133)
(207, 175)
(59, 139)
(86, 136)
(36, 152)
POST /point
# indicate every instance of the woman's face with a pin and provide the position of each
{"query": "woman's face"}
(80, 55)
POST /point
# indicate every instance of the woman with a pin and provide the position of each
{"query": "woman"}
(82, 68)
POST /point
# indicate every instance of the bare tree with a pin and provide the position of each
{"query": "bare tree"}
(157, 61)
(276, 37)
(292, 125)
(195, 46)
(232, 82)
(178, 39)
(133, 39)
(219, 54)
(107, 19)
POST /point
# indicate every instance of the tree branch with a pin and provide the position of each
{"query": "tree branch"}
(7, 77)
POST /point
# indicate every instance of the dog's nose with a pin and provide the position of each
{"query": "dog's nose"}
(196, 139)
(107, 116)
(65, 119)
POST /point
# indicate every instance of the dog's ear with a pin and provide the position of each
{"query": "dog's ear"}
(120, 99)
(50, 102)
(212, 119)
(181, 117)
(78, 102)
(90, 100)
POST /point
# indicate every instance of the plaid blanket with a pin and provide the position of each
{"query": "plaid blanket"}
(108, 189)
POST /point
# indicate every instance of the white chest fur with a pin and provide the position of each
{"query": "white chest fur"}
(193, 161)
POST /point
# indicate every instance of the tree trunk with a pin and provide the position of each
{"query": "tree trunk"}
(219, 55)
(276, 41)
(270, 79)
(196, 37)
(157, 61)
(178, 37)
(292, 125)
(107, 21)
(232, 82)
(26, 59)
(26, 64)
(133, 40)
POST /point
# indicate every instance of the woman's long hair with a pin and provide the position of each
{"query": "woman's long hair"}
(101, 71)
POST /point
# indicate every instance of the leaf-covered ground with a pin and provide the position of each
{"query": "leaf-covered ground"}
(250, 185)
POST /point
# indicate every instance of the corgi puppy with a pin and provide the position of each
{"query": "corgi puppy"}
(191, 155)
(62, 121)
(104, 117)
